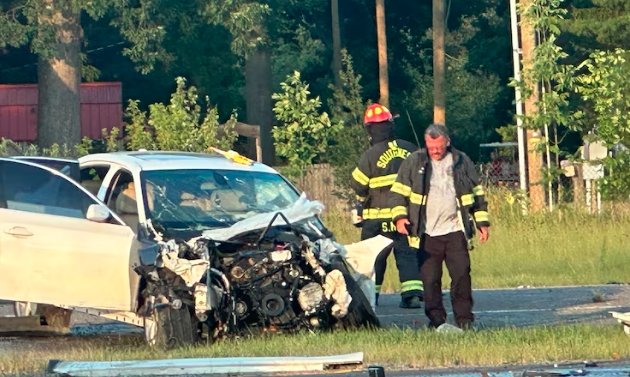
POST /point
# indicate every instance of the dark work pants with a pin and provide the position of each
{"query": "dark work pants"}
(406, 257)
(451, 248)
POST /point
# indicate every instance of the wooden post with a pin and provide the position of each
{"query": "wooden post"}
(383, 79)
(534, 157)
(252, 131)
(439, 70)
(247, 130)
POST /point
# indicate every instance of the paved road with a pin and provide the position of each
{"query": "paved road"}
(493, 308)
(524, 306)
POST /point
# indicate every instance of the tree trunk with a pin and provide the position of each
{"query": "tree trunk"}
(59, 76)
(336, 39)
(383, 79)
(439, 69)
(258, 99)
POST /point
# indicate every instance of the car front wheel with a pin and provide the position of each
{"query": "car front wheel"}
(170, 328)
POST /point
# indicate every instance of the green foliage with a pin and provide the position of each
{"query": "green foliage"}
(138, 135)
(113, 142)
(300, 53)
(12, 32)
(89, 73)
(346, 107)
(11, 148)
(139, 22)
(180, 125)
(142, 25)
(616, 184)
(606, 85)
(244, 19)
(604, 22)
(304, 133)
(555, 80)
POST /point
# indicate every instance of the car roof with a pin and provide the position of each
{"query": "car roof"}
(44, 158)
(163, 160)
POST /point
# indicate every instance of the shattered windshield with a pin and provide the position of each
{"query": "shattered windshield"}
(206, 199)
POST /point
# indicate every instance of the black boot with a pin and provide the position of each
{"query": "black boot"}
(412, 302)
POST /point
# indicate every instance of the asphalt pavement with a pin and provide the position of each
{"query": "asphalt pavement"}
(525, 306)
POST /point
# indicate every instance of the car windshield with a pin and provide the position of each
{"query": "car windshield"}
(205, 199)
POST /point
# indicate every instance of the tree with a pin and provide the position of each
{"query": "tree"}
(304, 134)
(602, 21)
(471, 93)
(52, 28)
(606, 87)
(59, 73)
(181, 125)
(245, 21)
(545, 85)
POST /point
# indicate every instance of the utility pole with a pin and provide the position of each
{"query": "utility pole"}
(383, 79)
(336, 39)
(518, 99)
(533, 137)
(439, 69)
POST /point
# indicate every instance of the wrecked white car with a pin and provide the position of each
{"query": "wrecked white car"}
(189, 246)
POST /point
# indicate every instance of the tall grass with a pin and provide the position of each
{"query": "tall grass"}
(394, 348)
(566, 247)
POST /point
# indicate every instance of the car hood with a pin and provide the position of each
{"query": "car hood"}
(302, 209)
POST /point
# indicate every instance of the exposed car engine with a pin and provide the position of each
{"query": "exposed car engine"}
(283, 278)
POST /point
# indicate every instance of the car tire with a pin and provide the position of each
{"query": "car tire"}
(170, 327)
(55, 317)
(360, 313)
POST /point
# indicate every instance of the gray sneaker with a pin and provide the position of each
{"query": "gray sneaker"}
(447, 328)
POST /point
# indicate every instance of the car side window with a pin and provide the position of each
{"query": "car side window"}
(92, 177)
(123, 199)
(33, 189)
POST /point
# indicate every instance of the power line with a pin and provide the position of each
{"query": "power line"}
(86, 52)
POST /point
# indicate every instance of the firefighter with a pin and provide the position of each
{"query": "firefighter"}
(371, 181)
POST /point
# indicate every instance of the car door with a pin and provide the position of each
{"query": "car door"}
(50, 252)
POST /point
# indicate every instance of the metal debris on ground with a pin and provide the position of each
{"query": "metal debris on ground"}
(205, 366)
(623, 318)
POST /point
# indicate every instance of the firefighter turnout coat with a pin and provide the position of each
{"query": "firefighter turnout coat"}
(372, 181)
(410, 192)
(374, 176)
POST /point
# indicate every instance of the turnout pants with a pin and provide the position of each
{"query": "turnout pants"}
(451, 248)
(406, 257)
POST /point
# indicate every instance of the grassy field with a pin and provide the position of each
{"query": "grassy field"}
(566, 247)
(393, 348)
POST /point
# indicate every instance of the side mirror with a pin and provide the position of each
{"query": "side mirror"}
(98, 213)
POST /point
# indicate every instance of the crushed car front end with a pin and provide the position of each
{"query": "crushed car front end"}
(240, 252)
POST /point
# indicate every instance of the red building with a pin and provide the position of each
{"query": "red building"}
(101, 107)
